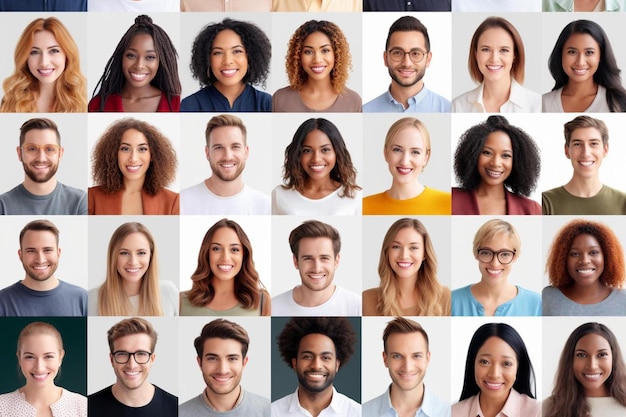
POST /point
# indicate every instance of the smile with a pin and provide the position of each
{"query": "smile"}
(228, 165)
(317, 168)
(495, 67)
(404, 171)
(225, 268)
(39, 377)
(45, 72)
(494, 174)
(138, 77)
(592, 377)
(318, 70)
(133, 168)
(229, 72)
(222, 379)
(494, 271)
(317, 277)
(588, 271)
(132, 374)
(404, 264)
(316, 376)
(493, 386)
(132, 270)
(582, 71)
(406, 72)
(586, 163)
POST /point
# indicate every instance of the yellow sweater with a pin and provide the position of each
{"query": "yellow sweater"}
(430, 201)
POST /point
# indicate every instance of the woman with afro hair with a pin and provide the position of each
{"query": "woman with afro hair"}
(497, 166)
(228, 58)
(318, 61)
(586, 272)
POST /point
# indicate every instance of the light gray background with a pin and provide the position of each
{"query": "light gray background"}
(376, 78)
(490, 5)
(349, 271)
(73, 166)
(192, 231)
(464, 25)
(377, 178)
(374, 230)
(72, 266)
(255, 374)
(99, 369)
(166, 123)
(463, 328)
(194, 166)
(164, 229)
(284, 24)
(376, 377)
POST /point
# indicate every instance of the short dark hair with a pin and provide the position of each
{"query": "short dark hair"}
(338, 329)
(581, 122)
(314, 229)
(222, 329)
(130, 326)
(39, 123)
(408, 24)
(40, 226)
(401, 325)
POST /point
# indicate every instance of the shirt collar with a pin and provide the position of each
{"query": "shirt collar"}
(414, 100)
(516, 95)
(295, 406)
(426, 408)
(511, 406)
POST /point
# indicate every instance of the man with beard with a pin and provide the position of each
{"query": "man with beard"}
(315, 247)
(407, 55)
(222, 349)
(224, 192)
(40, 293)
(316, 348)
(406, 355)
(40, 152)
(132, 343)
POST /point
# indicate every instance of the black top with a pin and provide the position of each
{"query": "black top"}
(43, 5)
(104, 404)
(406, 5)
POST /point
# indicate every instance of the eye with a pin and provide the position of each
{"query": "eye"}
(216, 248)
(217, 53)
(151, 57)
(414, 248)
(416, 152)
(589, 53)
(486, 152)
(35, 52)
(55, 51)
(485, 49)
(395, 247)
(124, 148)
(130, 55)
(306, 150)
(124, 253)
(326, 358)
(508, 364)
(211, 359)
(574, 254)
(504, 50)
(485, 252)
(327, 150)
(143, 253)
(326, 50)
(235, 250)
(396, 149)
(238, 51)
(594, 252)
(581, 355)
(307, 52)
(396, 356)
(143, 149)
(483, 362)
(507, 156)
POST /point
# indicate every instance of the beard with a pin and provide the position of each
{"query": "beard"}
(215, 169)
(419, 74)
(40, 177)
(317, 388)
(38, 277)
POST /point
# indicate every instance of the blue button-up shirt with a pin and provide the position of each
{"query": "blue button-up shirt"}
(381, 406)
(423, 102)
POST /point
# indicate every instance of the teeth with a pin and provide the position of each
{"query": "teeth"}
(492, 385)
(46, 71)
(586, 163)
(39, 376)
(225, 268)
(317, 276)
(585, 271)
(494, 174)
(229, 72)
(494, 67)
(312, 375)
(318, 70)
(579, 71)
(317, 168)
(227, 165)
(494, 271)
(222, 378)
(404, 264)
(133, 270)
(404, 171)
(133, 168)
(40, 268)
(592, 376)
(132, 373)
(138, 77)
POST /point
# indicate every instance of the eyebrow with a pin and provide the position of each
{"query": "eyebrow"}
(312, 47)
(328, 352)
(45, 353)
(128, 144)
(230, 244)
(122, 248)
(493, 149)
(491, 355)
(410, 243)
(232, 47)
(137, 50)
(48, 47)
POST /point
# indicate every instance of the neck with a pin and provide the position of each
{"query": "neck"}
(318, 86)
(309, 298)
(39, 188)
(583, 187)
(131, 288)
(138, 397)
(133, 186)
(491, 406)
(36, 285)
(497, 89)
(403, 94)
(405, 191)
(231, 92)
(580, 88)
(406, 399)
(222, 402)
(493, 290)
(315, 402)
(41, 397)
(137, 93)
(495, 191)
(224, 188)
(223, 287)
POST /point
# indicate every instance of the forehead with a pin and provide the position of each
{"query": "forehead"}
(39, 342)
(227, 39)
(593, 341)
(586, 133)
(581, 40)
(316, 39)
(316, 138)
(413, 342)
(407, 40)
(585, 240)
(142, 41)
(225, 234)
(222, 347)
(44, 38)
(226, 135)
(496, 346)
(133, 342)
(498, 240)
(135, 239)
(408, 234)
(409, 136)
(495, 35)
(315, 245)
(316, 343)
(35, 238)
(133, 137)
(41, 136)
(498, 140)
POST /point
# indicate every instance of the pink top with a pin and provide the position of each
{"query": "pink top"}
(517, 405)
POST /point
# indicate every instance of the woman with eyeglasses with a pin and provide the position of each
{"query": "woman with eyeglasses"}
(586, 272)
(497, 246)
(496, 62)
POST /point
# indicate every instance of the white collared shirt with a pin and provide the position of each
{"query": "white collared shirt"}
(340, 406)
(521, 100)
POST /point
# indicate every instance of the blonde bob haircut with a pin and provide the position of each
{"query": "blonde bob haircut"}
(517, 69)
(112, 300)
(405, 123)
(497, 227)
(21, 89)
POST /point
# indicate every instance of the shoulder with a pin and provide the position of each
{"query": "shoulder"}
(165, 396)
(370, 299)
(192, 102)
(102, 395)
(521, 205)
(463, 408)
(529, 407)
(463, 102)
(256, 399)
(11, 398)
(528, 295)
(551, 101)
(66, 287)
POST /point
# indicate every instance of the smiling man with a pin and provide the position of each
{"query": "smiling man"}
(222, 349)
(224, 192)
(316, 348)
(41, 293)
(132, 343)
(407, 55)
(315, 247)
(406, 355)
(40, 153)
(586, 145)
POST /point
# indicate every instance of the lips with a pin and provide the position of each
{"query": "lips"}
(132, 374)
(580, 71)
(133, 169)
(222, 378)
(494, 174)
(318, 69)
(316, 277)
(45, 72)
(230, 72)
(406, 73)
(317, 168)
(404, 171)
(494, 272)
(225, 268)
(586, 271)
(133, 270)
(315, 376)
(404, 265)
(494, 386)
(138, 77)
(39, 377)
(495, 67)
(592, 377)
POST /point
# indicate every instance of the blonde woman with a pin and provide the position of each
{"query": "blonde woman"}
(132, 286)
(408, 275)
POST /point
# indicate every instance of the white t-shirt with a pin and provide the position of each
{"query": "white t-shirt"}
(552, 103)
(341, 303)
(292, 202)
(198, 199)
(133, 5)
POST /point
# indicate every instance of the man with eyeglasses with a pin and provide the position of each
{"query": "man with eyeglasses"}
(40, 152)
(407, 55)
(132, 343)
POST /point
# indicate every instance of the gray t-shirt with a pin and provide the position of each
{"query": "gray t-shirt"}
(555, 303)
(62, 200)
(251, 405)
(64, 300)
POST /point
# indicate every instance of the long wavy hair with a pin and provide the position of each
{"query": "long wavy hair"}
(568, 395)
(430, 290)
(608, 73)
(112, 300)
(344, 172)
(21, 89)
(248, 285)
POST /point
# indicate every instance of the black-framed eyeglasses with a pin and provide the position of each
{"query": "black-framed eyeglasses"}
(397, 54)
(141, 356)
(505, 257)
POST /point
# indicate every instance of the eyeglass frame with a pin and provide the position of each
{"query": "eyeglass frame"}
(40, 147)
(131, 354)
(424, 53)
(496, 254)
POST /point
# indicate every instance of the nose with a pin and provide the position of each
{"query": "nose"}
(495, 260)
(40, 364)
(41, 257)
(583, 259)
(494, 371)
(316, 362)
(404, 253)
(223, 367)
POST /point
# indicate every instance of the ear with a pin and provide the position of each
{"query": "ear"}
(429, 56)
(59, 252)
(295, 262)
(427, 358)
(566, 149)
(247, 148)
(385, 59)
(111, 359)
(19, 153)
(606, 148)
(426, 158)
(61, 356)
(199, 360)
(19, 254)
(206, 152)
(337, 364)
(385, 359)
(61, 150)
(294, 362)
(337, 260)
(244, 362)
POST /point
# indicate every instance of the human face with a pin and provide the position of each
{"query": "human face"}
(133, 259)
(406, 253)
(133, 155)
(222, 365)
(593, 364)
(131, 375)
(40, 358)
(580, 57)
(229, 59)
(46, 61)
(407, 358)
(495, 272)
(495, 53)
(318, 156)
(316, 364)
(140, 62)
(407, 155)
(586, 152)
(318, 57)
(225, 254)
(585, 261)
(496, 159)
(495, 369)
(316, 262)
(407, 73)
(41, 166)
(39, 253)
(227, 152)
